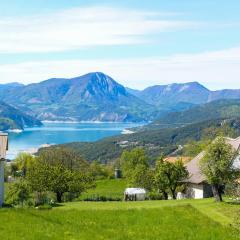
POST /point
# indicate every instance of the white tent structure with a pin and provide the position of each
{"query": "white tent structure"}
(134, 194)
(3, 149)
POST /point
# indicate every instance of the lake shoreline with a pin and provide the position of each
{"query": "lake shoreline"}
(93, 122)
(52, 133)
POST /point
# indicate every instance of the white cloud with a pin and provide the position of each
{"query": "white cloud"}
(82, 27)
(216, 70)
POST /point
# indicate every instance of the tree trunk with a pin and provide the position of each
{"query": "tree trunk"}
(217, 192)
(173, 194)
(59, 197)
(165, 195)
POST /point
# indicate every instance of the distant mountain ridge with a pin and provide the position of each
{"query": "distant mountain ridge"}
(220, 109)
(91, 97)
(97, 97)
(192, 92)
(12, 118)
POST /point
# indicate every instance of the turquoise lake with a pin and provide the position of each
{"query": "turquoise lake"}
(54, 133)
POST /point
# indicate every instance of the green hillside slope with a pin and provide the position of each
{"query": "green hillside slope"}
(213, 110)
(12, 118)
(155, 142)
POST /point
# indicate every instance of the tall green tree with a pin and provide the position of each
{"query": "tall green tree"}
(160, 179)
(136, 169)
(63, 156)
(101, 171)
(142, 176)
(38, 177)
(60, 171)
(23, 162)
(169, 176)
(217, 165)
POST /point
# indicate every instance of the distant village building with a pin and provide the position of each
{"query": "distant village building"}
(135, 194)
(197, 186)
(117, 173)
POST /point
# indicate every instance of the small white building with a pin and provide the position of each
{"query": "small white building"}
(135, 194)
(197, 187)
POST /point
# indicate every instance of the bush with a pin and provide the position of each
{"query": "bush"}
(155, 196)
(233, 190)
(96, 198)
(18, 193)
(42, 198)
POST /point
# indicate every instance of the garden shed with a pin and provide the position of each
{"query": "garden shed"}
(135, 194)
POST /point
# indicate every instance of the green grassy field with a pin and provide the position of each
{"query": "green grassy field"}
(185, 219)
(113, 188)
(180, 219)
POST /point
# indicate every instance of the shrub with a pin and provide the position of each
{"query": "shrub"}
(96, 198)
(18, 193)
(155, 196)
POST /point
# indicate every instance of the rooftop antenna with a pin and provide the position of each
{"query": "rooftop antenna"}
(3, 149)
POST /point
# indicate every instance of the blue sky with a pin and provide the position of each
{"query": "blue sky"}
(138, 43)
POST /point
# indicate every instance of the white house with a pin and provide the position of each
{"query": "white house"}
(134, 194)
(197, 187)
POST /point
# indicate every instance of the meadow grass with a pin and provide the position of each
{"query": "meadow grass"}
(173, 219)
(110, 188)
(185, 219)
(165, 222)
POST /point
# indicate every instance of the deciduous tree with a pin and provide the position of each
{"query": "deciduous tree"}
(60, 171)
(169, 176)
(217, 165)
(136, 169)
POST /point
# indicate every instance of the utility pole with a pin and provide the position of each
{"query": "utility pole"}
(3, 149)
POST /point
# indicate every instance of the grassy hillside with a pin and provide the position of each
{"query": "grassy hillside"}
(110, 188)
(154, 141)
(167, 220)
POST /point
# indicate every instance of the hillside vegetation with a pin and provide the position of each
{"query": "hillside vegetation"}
(214, 110)
(154, 141)
(12, 118)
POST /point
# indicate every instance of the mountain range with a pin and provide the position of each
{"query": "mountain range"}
(92, 97)
(192, 92)
(97, 97)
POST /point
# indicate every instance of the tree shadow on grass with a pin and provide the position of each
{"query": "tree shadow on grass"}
(56, 205)
(7, 205)
(233, 202)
